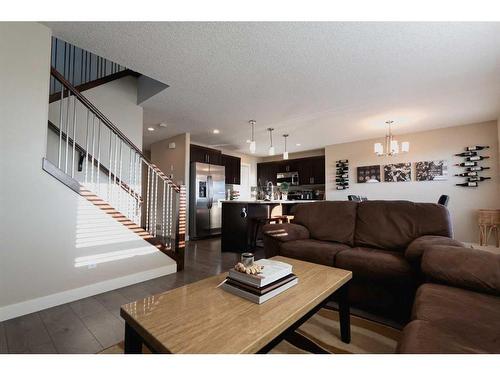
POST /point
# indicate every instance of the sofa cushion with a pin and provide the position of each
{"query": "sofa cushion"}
(328, 220)
(375, 264)
(416, 248)
(422, 337)
(393, 225)
(315, 251)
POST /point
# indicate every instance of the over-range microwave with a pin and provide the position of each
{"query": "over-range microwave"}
(291, 178)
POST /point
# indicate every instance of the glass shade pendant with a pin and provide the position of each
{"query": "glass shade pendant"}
(391, 144)
(285, 153)
(253, 145)
(271, 147)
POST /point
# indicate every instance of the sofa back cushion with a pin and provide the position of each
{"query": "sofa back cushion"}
(328, 220)
(392, 225)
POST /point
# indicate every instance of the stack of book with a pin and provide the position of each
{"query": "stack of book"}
(276, 277)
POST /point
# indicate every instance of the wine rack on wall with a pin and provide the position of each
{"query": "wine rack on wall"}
(342, 174)
(472, 166)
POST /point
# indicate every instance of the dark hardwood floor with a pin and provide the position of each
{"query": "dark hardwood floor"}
(92, 324)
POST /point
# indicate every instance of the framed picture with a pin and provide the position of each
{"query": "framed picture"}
(400, 172)
(370, 173)
(435, 170)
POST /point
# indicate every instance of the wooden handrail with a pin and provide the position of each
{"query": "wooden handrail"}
(110, 125)
(100, 166)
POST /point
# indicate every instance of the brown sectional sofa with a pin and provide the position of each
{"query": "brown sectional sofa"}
(457, 309)
(402, 256)
(380, 241)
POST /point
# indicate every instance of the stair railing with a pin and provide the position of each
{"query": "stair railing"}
(78, 66)
(111, 166)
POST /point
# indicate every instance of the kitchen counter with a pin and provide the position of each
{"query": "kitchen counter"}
(240, 220)
(268, 202)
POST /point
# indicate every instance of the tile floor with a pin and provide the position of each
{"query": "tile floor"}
(92, 324)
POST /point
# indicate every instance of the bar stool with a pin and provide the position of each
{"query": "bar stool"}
(259, 222)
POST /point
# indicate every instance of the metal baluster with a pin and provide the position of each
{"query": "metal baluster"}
(115, 169)
(110, 164)
(163, 223)
(93, 153)
(74, 139)
(156, 201)
(68, 102)
(138, 189)
(87, 147)
(147, 201)
(98, 168)
(120, 193)
(130, 196)
(171, 212)
(60, 127)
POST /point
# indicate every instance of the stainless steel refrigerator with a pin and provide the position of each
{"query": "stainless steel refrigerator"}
(207, 190)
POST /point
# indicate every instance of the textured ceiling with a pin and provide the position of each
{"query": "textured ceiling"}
(323, 83)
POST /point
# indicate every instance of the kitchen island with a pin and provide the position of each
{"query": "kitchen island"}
(240, 217)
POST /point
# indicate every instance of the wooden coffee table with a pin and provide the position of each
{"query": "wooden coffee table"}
(201, 318)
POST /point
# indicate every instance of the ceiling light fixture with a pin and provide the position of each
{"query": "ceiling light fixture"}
(253, 145)
(216, 131)
(271, 147)
(151, 129)
(162, 125)
(285, 154)
(297, 144)
(391, 144)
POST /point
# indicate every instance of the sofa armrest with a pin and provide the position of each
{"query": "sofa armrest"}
(286, 232)
(463, 267)
(416, 248)
(277, 234)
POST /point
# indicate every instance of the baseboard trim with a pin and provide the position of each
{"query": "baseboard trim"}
(41, 303)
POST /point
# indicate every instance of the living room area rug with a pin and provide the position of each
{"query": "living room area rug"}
(323, 329)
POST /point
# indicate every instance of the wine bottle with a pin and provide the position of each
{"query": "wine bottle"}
(478, 168)
(478, 178)
(468, 184)
(343, 161)
(467, 153)
(476, 158)
(467, 174)
(343, 187)
(476, 148)
(345, 175)
(341, 165)
(467, 164)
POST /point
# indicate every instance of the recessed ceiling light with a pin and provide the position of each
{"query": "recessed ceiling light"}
(249, 141)
(151, 129)
(297, 144)
(216, 131)
(162, 125)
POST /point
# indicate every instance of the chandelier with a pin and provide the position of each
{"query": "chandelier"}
(391, 144)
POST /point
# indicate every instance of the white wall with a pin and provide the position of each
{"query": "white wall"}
(47, 231)
(440, 144)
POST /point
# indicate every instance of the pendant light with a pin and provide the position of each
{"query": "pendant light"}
(253, 145)
(285, 154)
(391, 144)
(271, 147)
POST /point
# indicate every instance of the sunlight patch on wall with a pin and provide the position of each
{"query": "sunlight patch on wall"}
(113, 256)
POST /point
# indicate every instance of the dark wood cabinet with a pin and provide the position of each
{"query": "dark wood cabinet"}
(233, 169)
(267, 172)
(311, 170)
(205, 155)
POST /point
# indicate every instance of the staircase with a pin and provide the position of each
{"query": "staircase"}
(96, 160)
